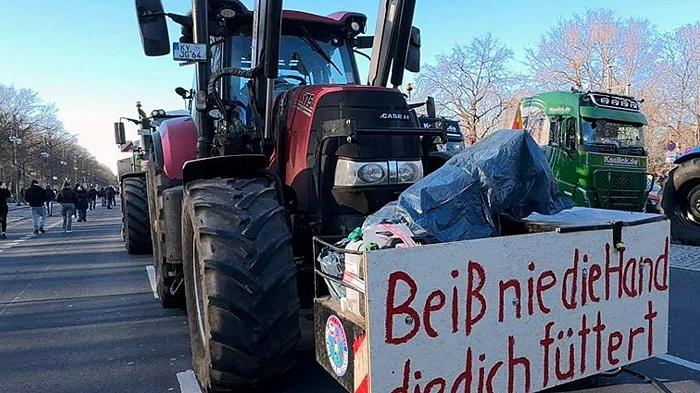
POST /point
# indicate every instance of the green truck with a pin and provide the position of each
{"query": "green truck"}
(595, 144)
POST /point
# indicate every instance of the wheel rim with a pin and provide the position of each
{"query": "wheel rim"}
(694, 204)
(198, 294)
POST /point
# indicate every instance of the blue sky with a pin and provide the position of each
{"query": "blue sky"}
(86, 56)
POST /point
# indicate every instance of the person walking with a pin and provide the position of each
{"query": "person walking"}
(93, 197)
(103, 195)
(4, 196)
(36, 197)
(110, 196)
(50, 198)
(67, 199)
(82, 204)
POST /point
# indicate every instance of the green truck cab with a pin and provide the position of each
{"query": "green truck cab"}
(595, 144)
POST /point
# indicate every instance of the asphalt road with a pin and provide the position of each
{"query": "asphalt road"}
(77, 314)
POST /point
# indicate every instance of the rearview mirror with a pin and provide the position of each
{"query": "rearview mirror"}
(119, 133)
(154, 29)
(413, 55)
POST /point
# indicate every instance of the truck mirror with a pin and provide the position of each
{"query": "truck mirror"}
(119, 133)
(153, 28)
(413, 54)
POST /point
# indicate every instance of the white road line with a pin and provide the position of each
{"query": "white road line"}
(188, 382)
(680, 362)
(152, 278)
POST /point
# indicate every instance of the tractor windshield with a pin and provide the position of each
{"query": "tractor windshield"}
(609, 133)
(303, 61)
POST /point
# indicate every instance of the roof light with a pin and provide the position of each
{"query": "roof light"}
(355, 26)
(615, 102)
(604, 100)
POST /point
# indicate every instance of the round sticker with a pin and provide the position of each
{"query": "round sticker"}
(336, 345)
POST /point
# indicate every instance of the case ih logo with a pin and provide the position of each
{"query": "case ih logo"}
(394, 116)
(623, 161)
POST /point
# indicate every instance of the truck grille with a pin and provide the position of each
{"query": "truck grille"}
(621, 190)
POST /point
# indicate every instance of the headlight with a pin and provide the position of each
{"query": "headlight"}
(371, 173)
(409, 172)
(351, 173)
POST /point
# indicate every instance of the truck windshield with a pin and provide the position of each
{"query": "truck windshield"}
(611, 133)
(300, 64)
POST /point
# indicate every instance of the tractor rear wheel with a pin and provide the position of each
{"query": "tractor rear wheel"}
(137, 232)
(240, 283)
(681, 202)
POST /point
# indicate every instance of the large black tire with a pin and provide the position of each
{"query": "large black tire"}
(137, 232)
(164, 281)
(681, 202)
(240, 284)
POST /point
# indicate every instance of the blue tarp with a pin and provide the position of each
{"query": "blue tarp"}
(505, 174)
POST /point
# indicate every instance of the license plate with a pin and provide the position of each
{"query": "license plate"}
(189, 52)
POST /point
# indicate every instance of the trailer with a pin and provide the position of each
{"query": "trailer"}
(583, 292)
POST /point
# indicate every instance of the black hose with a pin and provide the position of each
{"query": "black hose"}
(229, 71)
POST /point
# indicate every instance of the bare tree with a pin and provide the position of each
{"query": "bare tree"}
(472, 84)
(34, 144)
(596, 51)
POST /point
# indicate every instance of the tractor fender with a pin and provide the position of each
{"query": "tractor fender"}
(157, 152)
(240, 165)
(178, 141)
(694, 153)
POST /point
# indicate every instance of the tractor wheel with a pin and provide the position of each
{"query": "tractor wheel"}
(681, 202)
(137, 232)
(240, 284)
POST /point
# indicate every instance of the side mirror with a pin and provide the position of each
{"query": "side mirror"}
(154, 29)
(430, 107)
(413, 55)
(119, 133)
(363, 42)
(184, 93)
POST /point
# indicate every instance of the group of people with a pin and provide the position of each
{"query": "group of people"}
(74, 200)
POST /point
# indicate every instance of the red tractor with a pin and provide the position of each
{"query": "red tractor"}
(284, 144)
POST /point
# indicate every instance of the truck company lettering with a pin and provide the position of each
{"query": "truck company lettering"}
(528, 329)
(624, 161)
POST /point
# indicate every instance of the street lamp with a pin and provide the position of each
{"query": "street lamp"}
(16, 141)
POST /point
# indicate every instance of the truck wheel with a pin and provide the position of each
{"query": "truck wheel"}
(240, 283)
(137, 232)
(681, 202)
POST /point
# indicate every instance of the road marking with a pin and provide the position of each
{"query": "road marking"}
(151, 271)
(680, 362)
(188, 382)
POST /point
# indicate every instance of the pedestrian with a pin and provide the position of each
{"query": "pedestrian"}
(110, 192)
(4, 196)
(67, 200)
(93, 197)
(36, 197)
(82, 204)
(50, 198)
(103, 196)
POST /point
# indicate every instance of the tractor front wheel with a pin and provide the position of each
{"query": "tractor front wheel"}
(240, 283)
(681, 202)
